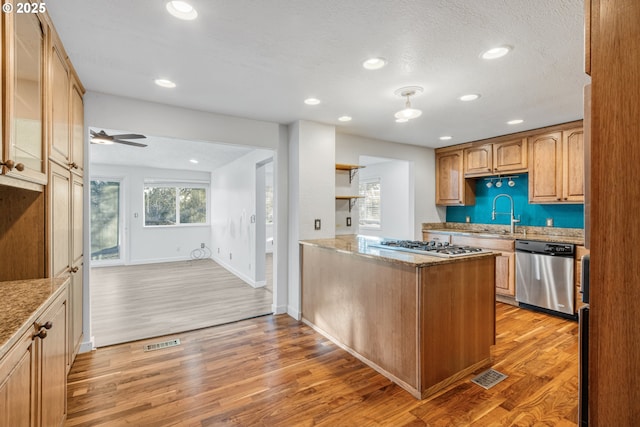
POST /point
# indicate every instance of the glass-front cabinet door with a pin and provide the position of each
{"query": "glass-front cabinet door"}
(24, 49)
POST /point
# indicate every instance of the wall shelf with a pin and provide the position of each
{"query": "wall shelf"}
(352, 200)
(352, 169)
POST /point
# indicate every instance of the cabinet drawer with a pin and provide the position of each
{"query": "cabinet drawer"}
(493, 244)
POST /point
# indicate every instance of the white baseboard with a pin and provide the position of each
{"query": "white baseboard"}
(239, 274)
(279, 309)
(294, 313)
(87, 346)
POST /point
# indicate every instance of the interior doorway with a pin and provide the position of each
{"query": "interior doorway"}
(264, 223)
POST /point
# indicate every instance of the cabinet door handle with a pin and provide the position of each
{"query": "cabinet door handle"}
(73, 165)
(46, 325)
(10, 164)
(74, 270)
(42, 334)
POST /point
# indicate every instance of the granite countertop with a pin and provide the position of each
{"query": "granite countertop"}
(544, 234)
(21, 302)
(359, 246)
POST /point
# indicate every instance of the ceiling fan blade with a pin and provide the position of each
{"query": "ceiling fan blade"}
(128, 136)
(135, 144)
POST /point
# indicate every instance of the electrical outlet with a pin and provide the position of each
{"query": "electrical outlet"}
(316, 224)
(348, 221)
(201, 245)
(230, 255)
(218, 250)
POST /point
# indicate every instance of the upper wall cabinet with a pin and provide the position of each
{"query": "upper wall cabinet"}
(76, 163)
(59, 151)
(24, 41)
(556, 169)
(452, 189)
(495, 158)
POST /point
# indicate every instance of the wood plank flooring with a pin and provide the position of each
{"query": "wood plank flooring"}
(275, 371)
(141, 301)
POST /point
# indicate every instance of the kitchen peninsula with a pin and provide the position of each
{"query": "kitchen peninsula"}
(422, 321)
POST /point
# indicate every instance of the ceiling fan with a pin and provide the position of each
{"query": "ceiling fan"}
(103, 138)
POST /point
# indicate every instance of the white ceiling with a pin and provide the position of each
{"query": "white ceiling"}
(166, 153)
(261, 59)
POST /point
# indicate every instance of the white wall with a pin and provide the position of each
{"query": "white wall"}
(396, 199)
(349, 148)
(145, 245)
(311, 194)
(233, 189)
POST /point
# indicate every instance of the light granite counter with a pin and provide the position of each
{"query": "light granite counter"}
(360, 246)
(544, 234)
(21, 302)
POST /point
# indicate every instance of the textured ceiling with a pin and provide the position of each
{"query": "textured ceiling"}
(260, 59)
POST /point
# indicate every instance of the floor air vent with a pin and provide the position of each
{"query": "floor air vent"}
(161, 345)
(489, 378)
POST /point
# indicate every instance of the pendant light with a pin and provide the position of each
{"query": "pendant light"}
(408, 112)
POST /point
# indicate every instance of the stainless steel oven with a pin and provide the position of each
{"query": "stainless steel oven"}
(544, 276)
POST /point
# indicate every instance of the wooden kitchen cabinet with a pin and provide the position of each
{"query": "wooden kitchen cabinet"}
(52, 363)
(556, 167)
(77, 127)
(505, 276)
(33, 374)
(452, 189)
(18, 383)
(496, 158)
(66, 188)
(59, 150)
(573, 165)
(76, 262)
(59, 202)
(478, 160)
(24, 37)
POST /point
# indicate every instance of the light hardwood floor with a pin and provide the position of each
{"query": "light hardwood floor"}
(275, 371)
(141, 301)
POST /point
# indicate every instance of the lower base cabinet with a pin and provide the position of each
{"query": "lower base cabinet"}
(17, 381)
(505, 262)
(33, 374)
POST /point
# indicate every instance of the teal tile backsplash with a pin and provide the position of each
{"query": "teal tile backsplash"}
(565, 216)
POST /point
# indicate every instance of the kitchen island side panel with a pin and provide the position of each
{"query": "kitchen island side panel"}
(367, 305)
(457, 324)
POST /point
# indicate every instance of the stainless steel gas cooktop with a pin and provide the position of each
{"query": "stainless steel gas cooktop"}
(439, 249)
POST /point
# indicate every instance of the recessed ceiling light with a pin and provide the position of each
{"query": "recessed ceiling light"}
(344, 118)
(401, 120)
(312, 101)
(496, 52)
(182, 10)
(374, 63)
(194, 161)
(445, 138)
(165, 83)
(515, 122)
(469, 97)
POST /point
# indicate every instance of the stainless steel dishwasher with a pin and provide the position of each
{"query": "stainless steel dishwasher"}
(544, 276)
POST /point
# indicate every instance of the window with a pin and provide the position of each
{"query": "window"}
(174, 205)
(105, 220)
(369, 206)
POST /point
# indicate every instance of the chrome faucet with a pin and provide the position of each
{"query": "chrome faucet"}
(511, 215)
